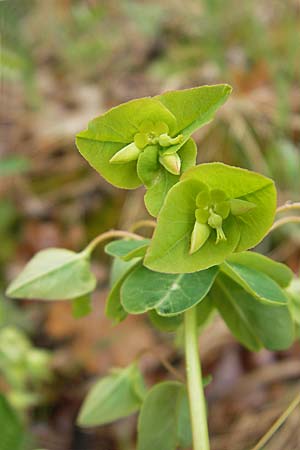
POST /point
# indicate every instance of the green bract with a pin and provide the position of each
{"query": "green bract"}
(147, 141)
(214, 211)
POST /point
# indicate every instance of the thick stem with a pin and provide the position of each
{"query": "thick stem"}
(194, 382)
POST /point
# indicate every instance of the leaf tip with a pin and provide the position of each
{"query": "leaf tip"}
(227, 89)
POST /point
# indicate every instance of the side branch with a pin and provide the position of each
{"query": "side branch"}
(284, 221)
(109, 235)
(289, 206)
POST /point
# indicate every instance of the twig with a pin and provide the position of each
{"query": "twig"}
(284, 221)
(277, 424)
(110, 235)
(164, 362)
(141, 224)
(289, 206)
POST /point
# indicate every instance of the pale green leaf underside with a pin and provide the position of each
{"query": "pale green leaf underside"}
(279, 272)
(168, 294)
(256, 283)
(169, 250)
(113, 397)
(127, 248)
(54, 274)
(253, 323)
(164, 323)
(164, 421)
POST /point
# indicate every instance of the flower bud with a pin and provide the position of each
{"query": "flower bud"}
(171, 163)
(199, 236)
(215, 221)
(126, 154)
(238, 207)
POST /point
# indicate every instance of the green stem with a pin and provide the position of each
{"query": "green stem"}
(142, 224)
(109, 235)
(284, 221)
(288, 207)
(194, 382)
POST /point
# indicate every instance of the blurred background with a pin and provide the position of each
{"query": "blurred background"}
(62, 63)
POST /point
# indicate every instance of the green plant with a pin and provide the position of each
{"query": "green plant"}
(23, 367)
(196, 264)
(23, 371)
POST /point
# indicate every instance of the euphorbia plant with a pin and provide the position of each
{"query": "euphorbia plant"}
(197, 264)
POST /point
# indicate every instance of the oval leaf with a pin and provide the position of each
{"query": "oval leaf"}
(113, 397)
(127, 248)
(256, 283)
(168, 294)
(114, 309)
(164, 421)
(168, 324)
(279, 272)
(54, 274)
(253, 323)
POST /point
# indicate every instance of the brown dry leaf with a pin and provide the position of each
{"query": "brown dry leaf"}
(94, 342)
